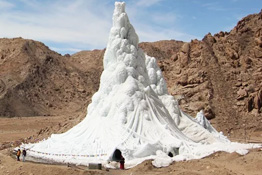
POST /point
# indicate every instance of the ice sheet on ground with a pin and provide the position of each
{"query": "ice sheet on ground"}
(133, 112)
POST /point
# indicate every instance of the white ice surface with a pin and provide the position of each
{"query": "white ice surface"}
(133, 112)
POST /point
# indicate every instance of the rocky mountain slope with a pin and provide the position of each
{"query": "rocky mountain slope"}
(36, 81)
(222, 74)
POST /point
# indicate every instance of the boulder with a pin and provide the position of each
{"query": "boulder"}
(209, 39)
(258, 53)
(241, 94)
(185, 48)
(209, 114)
(258, 42)
(183, 80)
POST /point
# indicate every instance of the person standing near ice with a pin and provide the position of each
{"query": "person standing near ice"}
(24, 154)
(18, 154)
(122, 163)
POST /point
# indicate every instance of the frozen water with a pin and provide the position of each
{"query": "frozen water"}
(133, 112)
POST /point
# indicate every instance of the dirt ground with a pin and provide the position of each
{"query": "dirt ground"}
(13, 129)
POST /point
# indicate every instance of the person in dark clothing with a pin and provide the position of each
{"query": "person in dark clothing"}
(24, 154)
(122, 163)
(18, 154)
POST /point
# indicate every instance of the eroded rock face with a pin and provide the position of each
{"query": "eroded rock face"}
(183, 55)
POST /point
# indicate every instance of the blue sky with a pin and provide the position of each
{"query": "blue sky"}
(68, 26)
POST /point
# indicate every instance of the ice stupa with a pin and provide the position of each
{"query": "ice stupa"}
(132, 112)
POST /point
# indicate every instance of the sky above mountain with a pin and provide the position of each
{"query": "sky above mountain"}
(68, 26)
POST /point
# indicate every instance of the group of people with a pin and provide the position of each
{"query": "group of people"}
(18, 154)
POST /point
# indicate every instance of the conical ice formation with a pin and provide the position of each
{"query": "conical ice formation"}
(132, 112)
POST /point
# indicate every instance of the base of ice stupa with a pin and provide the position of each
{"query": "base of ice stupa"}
(133, 113)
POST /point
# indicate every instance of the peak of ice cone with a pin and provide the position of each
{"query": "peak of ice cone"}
(119, 8)
(122, 38)
(121, 25)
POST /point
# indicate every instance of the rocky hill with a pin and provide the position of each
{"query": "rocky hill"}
(35, 81)
(221, 74)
